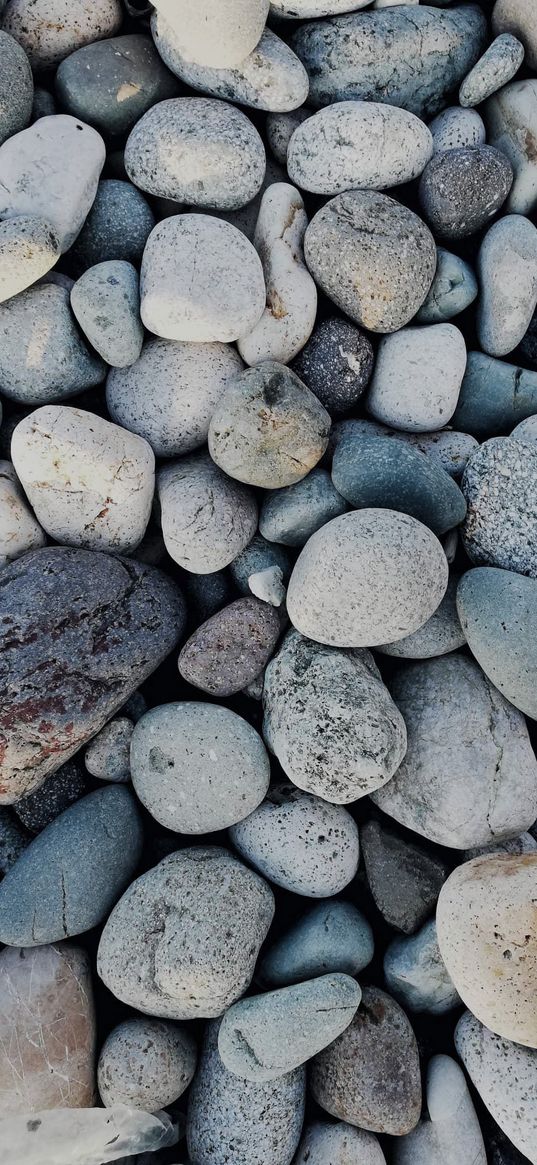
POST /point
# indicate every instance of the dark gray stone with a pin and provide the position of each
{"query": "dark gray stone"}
(117, 226)
(460, 190)
(336, 364)
(228, 651)
(16, 87)
(13, 840)
(495, 395)
(36, 810)
(207, 593)
(332, 936)
(405, 880)
(498, 612)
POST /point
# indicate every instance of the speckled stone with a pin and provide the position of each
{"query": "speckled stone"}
(494, 396)
(453, 289)
(291, 515)
(106, 303)
(16, 88)
(257, 556)
(183, 941)
(19, 529)
(526, 430)
(145, 1063)
(403, 877)
(336, 364)
(228, 651)
(461, 189)
(107, 755)
(499, 484)
(49, 30)
(417, 975)
(519, 17)
(219, 36)
(456, 127)
(280, 127)
(117, 226)
(13, 840)
(36, 810)
(451, 1134)
(412, 400)
(441, 633)
(28, 249)
(507, 272)
(370, 1075)
(207, 518)
(340, 1143)
(493, 70)
(511, 120)
(498, 611)
(332, 936)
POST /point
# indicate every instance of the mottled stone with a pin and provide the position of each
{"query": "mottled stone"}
(416, 974)
(441, 633)
(16, 88)
(230, 649)
(498, 611)
(68, 784)
(207, 518)
(117, 226)
(493, 70)
(145, 1063)
(49, 30)
(107, 755)
(461, 189)
(404, 879)
(19, 529)
(494, 396)
(106, 303)
(499, 485)
(340, 1143)
(336, 364)
(451, 1134)
(330, 937)
(456, 127)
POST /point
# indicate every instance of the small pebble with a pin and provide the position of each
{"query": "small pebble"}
(455, 128)
(13, 840)
(526, 430)
(418, 402)
(117, 226)
(259, 555)
(268, 585)
(495, 68)
(338, 1143)
(461, 189)
(291, 515)
(498, 611)
(499, 485)
(280, 127)
(404, 878)
(453, 289)
(207, 518)
(332, 936)
(336, 364)
(416, 973)
(105, 302)
(145, 1063)
(228, 651)
(451, 1133)
(107, 756)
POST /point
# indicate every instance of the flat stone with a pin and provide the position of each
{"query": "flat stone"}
(330, 937)
(68, 784)
(494, 396)
(461, 189)
(454, 128)
(338, 1143)
(493, 70)
(506, 268)
(292, 514)
(146, 1063)
(498, 611)
(499, 485)
(403, 877)
(452, 290)
(106, 303)
(219, 36)
(416, 974)
(207, 517)
(19, 529)
(49, 30)
(16, 88)
(117, 226)
(231, 648)
(107, 756)
(511, 120)
(451, 1133)
(519, 17)
(336, 364)
(441, 633)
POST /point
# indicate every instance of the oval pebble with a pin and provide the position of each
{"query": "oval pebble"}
(416, 974)
(106, 303)
(493, 70)
(207, 518)
(219, 35)
(453, 289)
(332, 936)
(441, 633)
(228, 651)
(507, 272)
(461, 189)
(498, 612)
(49, 30)
(511, 121)
(417, 402)
(336, 363)
(292, 514)
(499, 485)
(16, 88)
(145, 1063)
(455, 128)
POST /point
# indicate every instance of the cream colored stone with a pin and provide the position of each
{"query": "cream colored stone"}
(19, 529)
(511, 121)
(218, 34)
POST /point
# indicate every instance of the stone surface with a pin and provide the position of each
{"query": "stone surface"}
(279, 128)
(519, 17)
(13, 840)
(330, 937)
(145, 1063)
(498, 611)
(340, 1143)
(268, 585)
(441, 633)
(451, 1134)
(494, 396)
(16, 88)
(416, 973)
(418, 401)
(106, 303)
(461, 189)
(28, 249)
(94, 1136)
(336, 363)
(453, 289)
(404, 878)
(117, 226)
(292, 514)
(19, 529)
(207, 518)
(456, 127)
(219, 36)
(499, 487)
(228, 651)
(511, 120)
(36, 810)
(257, 556)
(49, 30)
(494, 69)
(107, 755)
(506, 269)
(526, 430)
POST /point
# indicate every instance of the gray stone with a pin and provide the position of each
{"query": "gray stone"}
(417, 975)
(507, 271)
(106, 303)
(183, 940)
(404, 879)
(451, 1135)
(456, 127)
(526, 430)
(280, 127)
(71, 874)
(268, 585)
(498, 611)
(145, 1063)
(519, 17)
(19, 529)
(117, 226)
(258, 555)
(417, 377)
(49, 30)
(330, 937)
(28, 249)
(16, 88)
(461, 189)
(13, 840)
(453, 289)
(36, 810)
(511, 120)
(441, 633)
(494, 396)
(340, 1143)
(207, 518)
(493, 70)
(107, 755)
(336, 364)
(43, 104)
(291, 515)
(500, 487)
(228, 651)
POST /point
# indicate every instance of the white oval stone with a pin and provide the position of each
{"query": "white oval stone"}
(456, 127)
(207, 517)
(507, 269)
(417, 377)
(219, 34)
(19, 529)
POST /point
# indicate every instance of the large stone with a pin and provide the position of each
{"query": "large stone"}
(450, 1135)
(519, 17)
(207, 518)
(511, 120)
(219, 35)
(498, 612)
(403, 877)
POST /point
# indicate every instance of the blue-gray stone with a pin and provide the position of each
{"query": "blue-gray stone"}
(36, 810)
(416, 974)
(292, 514)
(333, 936)
(258, 555)
(16, 87)
(117, 226)
(441, 633)
(494, 396)
(71, 875)
(13, 840)
(453, 289)
(498, 613)
(378, 473)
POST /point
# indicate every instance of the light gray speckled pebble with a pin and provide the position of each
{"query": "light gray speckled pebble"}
(107, 755)
(106, 303)
(500, 487)
(416, 973)
(526, 430)
(28, 249)
(207, 518)
(331, 936)
(340, 1144)
(16, 88)
(451, 1135)
(453, 289)
(494, 69)
(217, 35)
(280, 127)
(19, 529)
(291, 515)
(145, 1063)
(456, 127)
(511, 120)
(417, 377)
(441, 633)
(507, 270)
(49, 30)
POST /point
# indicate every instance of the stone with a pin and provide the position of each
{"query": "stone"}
(373, 257)
(221, 36)
(111, 83)
(407, 59)
(13, 840)
(336, 364)
(441, 633)
(265, 1036)
(300, 842)
(36, 810)
(453, 289)
(330, 937)
(67, 879)
(469, 774)
(306, 9)
(207, 593)
(524, 844)
(16, 88)
(43, 104)
(499, 487)
(145, 1063)
(280, 127)
(403, 877)
(454, 128)
(511, 120)
(90, 483)
(498, 612)
(227, 652)
(367, 576)
(370, 1075)
(207, 518)
(196, 150)
(505, 1076)
(201, 280)
(197, 767)
(519, 17)
(526, 430)
(268, 585)
(246, 1122)
(19, 529)
(338, 1143)
(494, 69)
(330, 720)
(507, 275)
(258, 555)
(418, 401)
(107, 755)
(28, 249)
(448, 447)
(117, 226)
(92, 1135)
(416, 974)
(461, 189)
(183, 940)
(268, 429)
(289, 315)
(47, 1029)
(105, 301)
(60, 366)
(451, 1134)
(81, 631)
(49, 30)
(488, 941)
(494, 396)
(292, 514)
(270, 77)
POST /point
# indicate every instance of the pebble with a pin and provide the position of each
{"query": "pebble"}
(183, 940)
(519, 17)
(201, 280)
(404, 878)
(373, 257)
(441, 633)
(331, 937)
(264, 1036)
(105, 302)
(107, 756)
(461, 189)
(207, 518)
(292, 514)
(196, 150)
(13, 840)
(455, 128)
(364, 56)
(63, 1130)
(416, 973)
(228, 651)
(49, 30)
(451, 1134)
(330, 720)
(498, 611)
(117, 226)
(526, 430)
(145, 1063)
(488, 941)
(271, 77)
(75, 619)
(300, 842)
(246, 1122)
(494, 69)
(511, 120)
(469, 774)
(71, 874)
(90, 483)
(508, 280)
(340, 1143)
(280, 127)
(453, 289)
(268, 585)
(418, 402)
(370, 1075)
(19, 529)
(16, 88)
(336, 364)
(494, 396)
(365, 577)
(219, 36)
(111, 83)
(28, 249)
(47, 1026)
(384, 146)
(306, 9)
(499, 485)
(37, 809)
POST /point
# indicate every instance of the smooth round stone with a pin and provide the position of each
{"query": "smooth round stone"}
(370, 1075)
(300, 842)
(85, 630)
(412, 400)
(507, 271)
(280, 127)
(36, 810)
(332, 936)
(384, 146)
(498, 611)
(145, 1063)
(505, 1076)
(386, 56)
(340, 1143)
(518, 17)
(47, 1021)
(499, 485)
(404, 879)
(373, 257)
(366, 576)
(456, 128)
(90, 483)
(246, 1122)
(268, 429)
(207, 518)
(28, 249)
(453, 289)
(469, 774)
(171, 391)
(526, 430)
(117, 226)
(511, 120)
(67, 880)
(330, 720)
(259, 555)
(221, 35)
(494, 396)
(271, 77)
(416, 973)
(461, 189)
(49, 30)
(452, 1133)
(106, 303)
(112, 83)
(441, 633)
(201, 280)
(291, 515)
(494, 69)
(107, 757)
(19, 529)
(183, 940)
(16, 88)
(228, 651)
(198, 767)
(336, 364)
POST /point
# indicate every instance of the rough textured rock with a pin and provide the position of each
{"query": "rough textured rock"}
(340, 1143)
(403, 877)
(219, 36)
(49, 30)
(36, 810)
(207, 518)
(336, 364)
(105, 301)
(117, 226)
(107, 755)
(330, 937)
(441, 633)
(228, 651)
(28, 249)
(451, 1134)
(511, 120)
(416, 974)
(499, 485)
(498, 612)
(506, 268)
(460, 190)
(16, 88)
(493, 70)
(452, 290)
(145, 1063)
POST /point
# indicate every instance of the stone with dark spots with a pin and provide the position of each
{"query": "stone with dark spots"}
(13, 840)
(36, 810)
(80, 632)
(230, 649)
(404, 879)
(460, 190)
(117, 226)
(336, 364)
